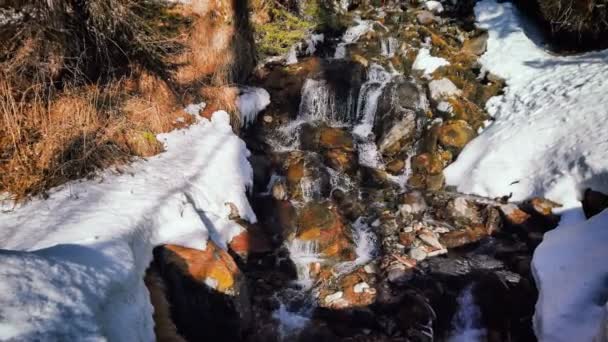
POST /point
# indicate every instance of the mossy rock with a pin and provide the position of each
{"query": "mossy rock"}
(455, 134)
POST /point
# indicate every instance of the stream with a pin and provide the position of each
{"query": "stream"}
(357, 236)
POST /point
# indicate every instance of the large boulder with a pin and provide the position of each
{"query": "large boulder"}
(206, 290)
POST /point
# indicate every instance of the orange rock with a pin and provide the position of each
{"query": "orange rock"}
(331, 138)
(513, 214)
(544, 206)
(212, 266)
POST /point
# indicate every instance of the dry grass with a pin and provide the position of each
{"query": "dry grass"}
(583, 16)
(217, 49)
(84, 129)
(69, 108)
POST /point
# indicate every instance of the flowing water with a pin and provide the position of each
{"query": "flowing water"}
(467, 325)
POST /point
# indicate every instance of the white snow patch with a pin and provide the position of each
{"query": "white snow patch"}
(550, 136)
(570, 269)
(195, 109)
(427, 63)
(251, 102)
(434, 6)
(442, 89)
(76, 268)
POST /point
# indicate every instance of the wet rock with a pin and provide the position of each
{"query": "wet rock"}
(320, 223)
(206, 290)
(448, 267)
(543, 206)
(594, 202)
(426, 18)
(462, 237)
(460, 108)
(251, 240)
(332, 138)
(476, 45)
(306, 176)
(455, 134)
(513, 214)
(261, 166)
(360, 59)
(341, 160)
(374, 178)
(279, 191)
(396, 115)
(352, 290)
(395, 167)
(399, 135)
(462, 212)
(427, 163)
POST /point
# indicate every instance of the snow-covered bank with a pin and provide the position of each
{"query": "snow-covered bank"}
(76, 267)
(571, 270)
(550, 139)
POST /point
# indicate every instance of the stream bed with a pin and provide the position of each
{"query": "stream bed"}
(357, 236)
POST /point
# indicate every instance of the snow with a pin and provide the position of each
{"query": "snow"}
(549, 139)
(442, 89)
(251, 102)
(434, 6)
(573, 256)
(73, 264)
(427, 63)
(195, 108)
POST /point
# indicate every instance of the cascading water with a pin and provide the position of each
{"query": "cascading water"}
(466, 322)
(321, 102)
(388, 47)
(367, 104)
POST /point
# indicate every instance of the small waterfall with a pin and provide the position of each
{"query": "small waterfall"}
(388, 47)
(366, 247)
(367, 105)
(296, 304)
(320, 102)
(311, 188)
(466, 322)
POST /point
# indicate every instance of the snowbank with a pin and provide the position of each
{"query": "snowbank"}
(78, 259)
(550, 139)
(571, 270)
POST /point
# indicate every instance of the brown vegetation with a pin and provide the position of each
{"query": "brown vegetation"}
(85, 85)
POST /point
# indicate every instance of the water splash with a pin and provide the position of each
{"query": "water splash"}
(297, 303)
(388, 47)
(366, 247)
(466, 322)
(367, 104)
